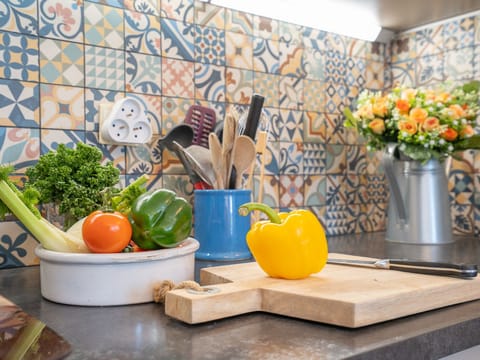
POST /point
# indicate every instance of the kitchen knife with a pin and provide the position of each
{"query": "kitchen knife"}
(421, 267)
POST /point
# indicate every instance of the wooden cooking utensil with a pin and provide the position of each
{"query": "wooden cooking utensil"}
(243, 157)
(228, 143)
(217, 161)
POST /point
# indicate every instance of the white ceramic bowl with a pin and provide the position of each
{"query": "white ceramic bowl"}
(112, 279)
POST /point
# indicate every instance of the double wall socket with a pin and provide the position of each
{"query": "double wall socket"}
(124, 123)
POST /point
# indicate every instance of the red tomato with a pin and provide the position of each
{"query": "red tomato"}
(106, 232)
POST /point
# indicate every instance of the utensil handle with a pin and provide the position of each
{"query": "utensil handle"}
(253, 116)
(434, 268)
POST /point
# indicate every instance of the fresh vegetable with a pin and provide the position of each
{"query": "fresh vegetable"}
(160, 219)
(106, 232)
(73, 179)
(288, 245)
(123, 200)
(22, 205)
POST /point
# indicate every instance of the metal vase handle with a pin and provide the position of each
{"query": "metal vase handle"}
(387, 162)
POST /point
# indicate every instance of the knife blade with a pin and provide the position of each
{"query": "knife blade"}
(421, 267)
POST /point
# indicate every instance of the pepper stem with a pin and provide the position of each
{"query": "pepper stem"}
(246, 208)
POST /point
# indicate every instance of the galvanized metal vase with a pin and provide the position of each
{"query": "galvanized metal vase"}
(419, 208)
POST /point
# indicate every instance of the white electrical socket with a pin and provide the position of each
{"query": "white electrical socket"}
(124, 123)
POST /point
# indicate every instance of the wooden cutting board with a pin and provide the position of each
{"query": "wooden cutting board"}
(342, 295)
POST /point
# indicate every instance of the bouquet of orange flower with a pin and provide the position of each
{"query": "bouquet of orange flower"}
(426, 123)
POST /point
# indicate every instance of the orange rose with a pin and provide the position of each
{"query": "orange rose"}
(408, 94)
(403, 106)
(456, 111)
(418, 115)
(449, 134)
(409, 126)
(442, 97)
(377, 126)
(431, 123)
(467, 131)
(380, 106)
(365, 112)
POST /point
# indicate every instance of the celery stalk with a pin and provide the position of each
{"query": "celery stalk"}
(51, 237)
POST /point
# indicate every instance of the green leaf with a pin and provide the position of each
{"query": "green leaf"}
(350, 121)
(472, 142)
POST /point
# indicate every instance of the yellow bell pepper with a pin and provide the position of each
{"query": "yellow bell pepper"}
(289, 245)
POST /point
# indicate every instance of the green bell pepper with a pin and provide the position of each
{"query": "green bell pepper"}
(160, 219)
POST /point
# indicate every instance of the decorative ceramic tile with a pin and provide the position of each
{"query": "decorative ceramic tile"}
(291, 60)
(61, 62)
(178, 10)
(459, 63)
(314, 159)
(315, 39)
(463, 218)
(265, 28)
(111, 153)
(177, 39)
(209, 82)
(266, 55)
(270, 195)
(356, 72)
(314, 127)
(356, 159)
(239, 22)
(375, 51)
(374, 75)
(177, 78)
(104, 68)
(290, 158)
(153, 106)
(340, 220)
(209, 15)
(115, 3)
(374, 162)
(361, 49)
(174, 111)
(404, 73)
(239, 50)
(143, 73)
(315, 190)
(18, 56)
(291, 191)
(52, 138)
(151, 7)
(17, 246)
(429, 41)
(463, 187)
(180, 184)
(335, 132)
(355, 188)
(335, 96)
(209, 45)
(142, 33)
(267, 85)
(139, 161)
(239, 84)
(335, 67)
(377, 188)
(336, 194)
(62, 107)
(459, 33)
(93, 99)
(313, 95)
(290, 33)
(372, 218)
(314, 63)
(290, 126)
(336, 158)
(403, 47)
(291, 93)
(337, 43)
(19, 147)
(19, 103)
(19, 16)
(103, 26)
(430, 69)
(61, 20)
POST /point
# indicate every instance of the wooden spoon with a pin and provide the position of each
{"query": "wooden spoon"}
(217, 160)
(243, 157)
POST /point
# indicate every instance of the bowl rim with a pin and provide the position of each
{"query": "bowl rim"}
(187, 246)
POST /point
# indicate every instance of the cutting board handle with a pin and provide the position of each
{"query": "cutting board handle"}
(216, 302)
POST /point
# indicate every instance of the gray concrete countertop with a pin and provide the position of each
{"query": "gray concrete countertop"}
(144, 332)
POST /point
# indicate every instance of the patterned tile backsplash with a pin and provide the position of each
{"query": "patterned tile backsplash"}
(61, 59)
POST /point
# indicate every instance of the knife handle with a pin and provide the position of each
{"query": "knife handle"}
(434, 268)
